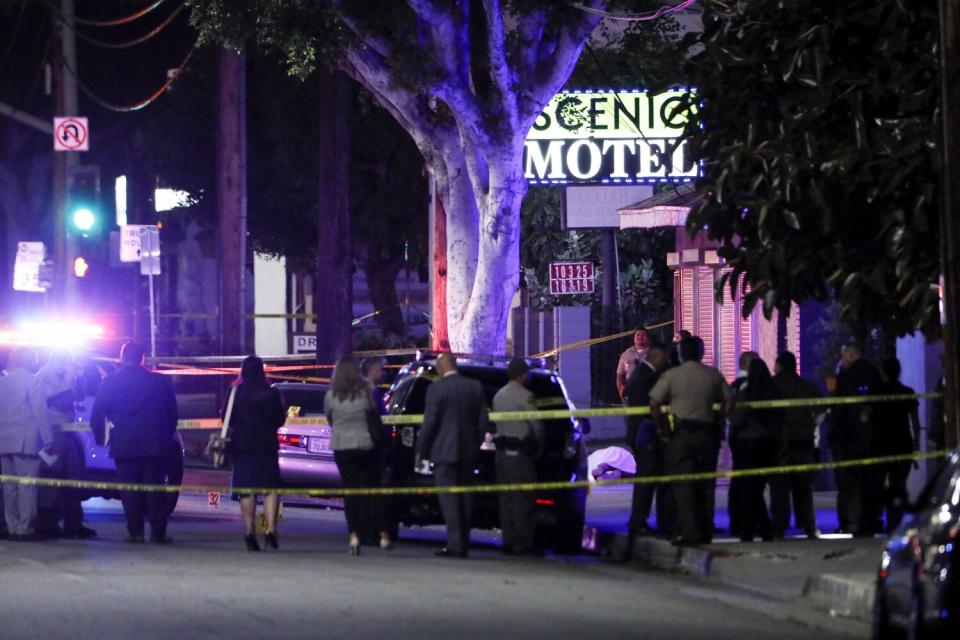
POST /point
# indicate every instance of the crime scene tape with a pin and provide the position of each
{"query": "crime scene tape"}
(464, 489)
(589, 343)
(555, 414)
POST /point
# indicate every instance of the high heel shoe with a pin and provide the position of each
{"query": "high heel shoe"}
(271, 540)
(251, 541)
(354, 546)
(385, 543)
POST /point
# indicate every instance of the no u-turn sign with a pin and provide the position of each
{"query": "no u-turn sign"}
(71, 134)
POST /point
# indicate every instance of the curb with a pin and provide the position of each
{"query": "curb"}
(840, 595)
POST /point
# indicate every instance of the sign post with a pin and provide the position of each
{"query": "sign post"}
(150, 266)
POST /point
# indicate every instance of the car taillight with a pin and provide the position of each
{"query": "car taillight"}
(543, 502)
(291, 440)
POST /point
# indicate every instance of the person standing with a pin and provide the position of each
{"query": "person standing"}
(734, 502)
(57, 381)
(852, 434)
(454, 424)
(256, 416)
(372, 370)
(24, 433)
(348, 407)
(898, 427)
(643, 438)
(143, 409)
(630, 358)
(691, 390)
(756, 431)
(519, 444)
(797, 447)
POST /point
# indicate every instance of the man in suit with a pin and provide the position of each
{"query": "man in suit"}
(454, 424)
(519, 444)
(24, 432)
(643, 438)
(143, 409)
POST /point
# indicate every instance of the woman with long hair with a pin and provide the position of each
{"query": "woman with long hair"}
(256, 415)
(757, 432)
(348, 406)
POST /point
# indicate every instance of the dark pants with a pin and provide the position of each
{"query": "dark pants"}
(858, 495)
(455, 507)
(140, 504)
(650, 462)
(516, 507)
(55, 503)
(735, 491)
(798, 486)
(753, 453)
(893, 478)
(693, 450)
(360, 468)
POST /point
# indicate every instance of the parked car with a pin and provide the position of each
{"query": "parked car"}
(305, 458)
(918, 591)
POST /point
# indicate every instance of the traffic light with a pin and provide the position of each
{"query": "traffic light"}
(80, 267)
(84, 210)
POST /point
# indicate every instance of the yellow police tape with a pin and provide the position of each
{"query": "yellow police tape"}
(480, 488)
(554, 414)
(589, 343)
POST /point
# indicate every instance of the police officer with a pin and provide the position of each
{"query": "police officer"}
(852, 433)
(519, 443)
(691, 391)
(632, 357)
(797, 447)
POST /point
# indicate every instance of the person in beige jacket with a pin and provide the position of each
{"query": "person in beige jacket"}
(24, 432)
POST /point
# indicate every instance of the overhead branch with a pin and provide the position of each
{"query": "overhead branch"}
(530, 30)
(496, 38)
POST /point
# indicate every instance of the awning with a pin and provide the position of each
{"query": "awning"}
(666, 209)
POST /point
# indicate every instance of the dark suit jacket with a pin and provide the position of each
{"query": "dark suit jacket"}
(257, 414)
(641, 430)
(454, 421)
(143, 409)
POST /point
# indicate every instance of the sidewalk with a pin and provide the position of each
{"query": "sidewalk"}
(834, 574)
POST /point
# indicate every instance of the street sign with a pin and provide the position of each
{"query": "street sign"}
(571, 278)
(71, 134)
(304, 343)
(26, 268)
(130, 242)
(149, 247)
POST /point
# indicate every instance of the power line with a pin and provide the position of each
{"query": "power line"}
(637, 17)
(122, 45)
(119, 21)
(138, 105)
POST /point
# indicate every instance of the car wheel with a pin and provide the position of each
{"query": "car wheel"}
(174, 476)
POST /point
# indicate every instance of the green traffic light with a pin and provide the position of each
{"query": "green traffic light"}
(83, 219)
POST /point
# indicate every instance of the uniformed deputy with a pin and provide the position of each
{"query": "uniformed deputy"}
(691, 391)
(632, 357)
(519, 444)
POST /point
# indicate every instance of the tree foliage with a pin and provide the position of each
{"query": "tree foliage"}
(817, 131)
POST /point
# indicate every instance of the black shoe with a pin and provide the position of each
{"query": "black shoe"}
(271, 541)
(81, 533)
(164, 539)
(643, 531)
(450, 553)
(680, 541)
(812, 534)
(251, 541)
(135, 539)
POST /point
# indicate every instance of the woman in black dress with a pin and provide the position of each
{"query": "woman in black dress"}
(257, 414)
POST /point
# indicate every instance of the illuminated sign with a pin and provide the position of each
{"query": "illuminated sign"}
(571, 277)
(606, 137)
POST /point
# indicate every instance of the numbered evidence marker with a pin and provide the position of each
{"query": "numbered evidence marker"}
(262, 519)
(213, 499)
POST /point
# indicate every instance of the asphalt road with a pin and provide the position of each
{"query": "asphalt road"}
(206, 585)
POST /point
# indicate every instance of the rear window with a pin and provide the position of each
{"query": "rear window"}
(310, 401)
(545, 386)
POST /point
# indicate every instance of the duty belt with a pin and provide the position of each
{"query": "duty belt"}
(695, 425)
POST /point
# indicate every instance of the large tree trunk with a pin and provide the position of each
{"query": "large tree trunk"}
(381, 270)
(333, 289)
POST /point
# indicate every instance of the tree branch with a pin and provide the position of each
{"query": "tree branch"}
(499, 66)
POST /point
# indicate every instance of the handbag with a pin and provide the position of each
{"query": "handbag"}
(219, 443)
(375, 427)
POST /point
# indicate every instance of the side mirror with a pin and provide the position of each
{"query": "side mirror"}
(585, 426)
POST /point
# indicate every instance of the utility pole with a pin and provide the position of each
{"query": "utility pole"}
(65, 104)
(950, 211)
(232, 201)
(609, 311)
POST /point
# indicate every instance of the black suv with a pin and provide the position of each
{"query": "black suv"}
(559, 514)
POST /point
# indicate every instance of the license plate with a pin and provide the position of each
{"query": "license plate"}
(318, 445)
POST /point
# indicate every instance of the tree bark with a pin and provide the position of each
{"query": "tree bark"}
(381, 270)
(232, 201)
(333, 288)
(438, 314)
